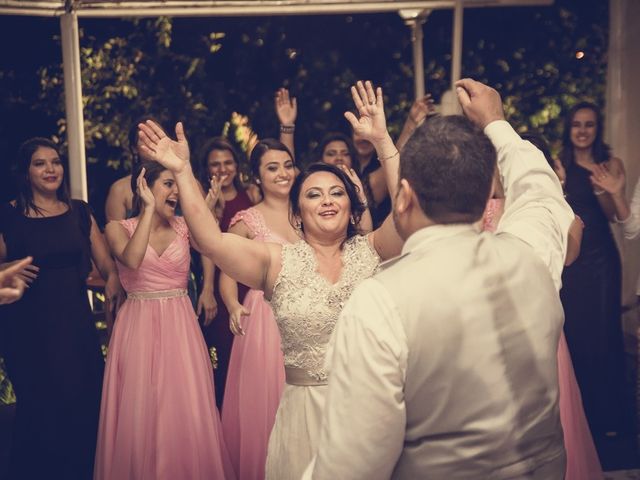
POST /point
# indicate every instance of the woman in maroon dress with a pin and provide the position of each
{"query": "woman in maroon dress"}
(220, 159)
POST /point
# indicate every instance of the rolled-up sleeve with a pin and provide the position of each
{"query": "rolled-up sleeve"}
(631, 225)
(535, 208)
(364, 418)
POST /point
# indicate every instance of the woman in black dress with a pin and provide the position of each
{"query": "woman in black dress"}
(591, 292)
(50, 343)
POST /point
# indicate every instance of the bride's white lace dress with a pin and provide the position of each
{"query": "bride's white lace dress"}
(306, 307)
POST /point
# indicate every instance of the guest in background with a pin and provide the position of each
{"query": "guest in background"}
(50, 342)
(220, 160)
(591, 286)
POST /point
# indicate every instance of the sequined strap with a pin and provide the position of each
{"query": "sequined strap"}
(303, 378)
(178, 292)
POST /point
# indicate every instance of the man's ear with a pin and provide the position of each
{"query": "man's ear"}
(405, 196)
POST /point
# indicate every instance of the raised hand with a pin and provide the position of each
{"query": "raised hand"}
(144, 192)
(371, 123)
(420, 109)
(480, 103)
(286, 107)
(605, 179)
(157, 146)
(234, 319)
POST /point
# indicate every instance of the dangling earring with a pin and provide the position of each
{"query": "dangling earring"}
(258, 181)
(353, 220)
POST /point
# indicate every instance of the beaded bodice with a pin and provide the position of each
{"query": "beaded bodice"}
(306, 305)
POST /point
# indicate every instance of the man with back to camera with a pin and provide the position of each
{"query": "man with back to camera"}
(444, 363)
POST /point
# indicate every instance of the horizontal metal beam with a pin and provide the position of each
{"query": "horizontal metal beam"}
(253, 8)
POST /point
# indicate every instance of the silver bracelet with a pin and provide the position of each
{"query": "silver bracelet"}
(287, 128)
(599, 192)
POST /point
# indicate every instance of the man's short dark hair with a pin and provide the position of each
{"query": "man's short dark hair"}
(449, 162)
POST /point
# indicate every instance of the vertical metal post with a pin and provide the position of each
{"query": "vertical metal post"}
(621, 128)
(418, 56)
(456, 55)
(414, 19)
(73, 104)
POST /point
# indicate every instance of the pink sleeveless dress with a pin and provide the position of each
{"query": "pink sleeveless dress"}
(582, 458)
(158, 418)
(255, 379)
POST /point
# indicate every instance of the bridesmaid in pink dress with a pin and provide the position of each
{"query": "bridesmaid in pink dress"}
(158, 417)
(582, 458)
(255, 379)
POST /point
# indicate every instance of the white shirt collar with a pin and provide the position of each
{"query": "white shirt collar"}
(433, 233)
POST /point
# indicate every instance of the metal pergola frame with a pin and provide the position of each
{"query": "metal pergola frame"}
(414, 13)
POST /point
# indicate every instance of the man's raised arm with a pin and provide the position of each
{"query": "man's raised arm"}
(535, 208)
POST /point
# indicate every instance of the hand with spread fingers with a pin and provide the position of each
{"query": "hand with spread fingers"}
(235, 317)
(286, 107)
(604, 178)
(371, 124)
(480, 103)
(28, 273)
(12, 285)
(157, 146)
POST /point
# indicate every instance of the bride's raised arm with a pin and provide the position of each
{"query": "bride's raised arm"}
(255, 264)
(372, 125)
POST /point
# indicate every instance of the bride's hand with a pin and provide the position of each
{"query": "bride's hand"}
(157, 146)
(371, 123)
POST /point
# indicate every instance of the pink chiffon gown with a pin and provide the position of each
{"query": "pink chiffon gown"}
(582, 458)
(255, 379)
(158, 418)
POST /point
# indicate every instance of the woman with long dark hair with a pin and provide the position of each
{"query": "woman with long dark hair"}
(591, 292)
(51, 347)
(158, 416)
(255, 379)
(220, 161)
